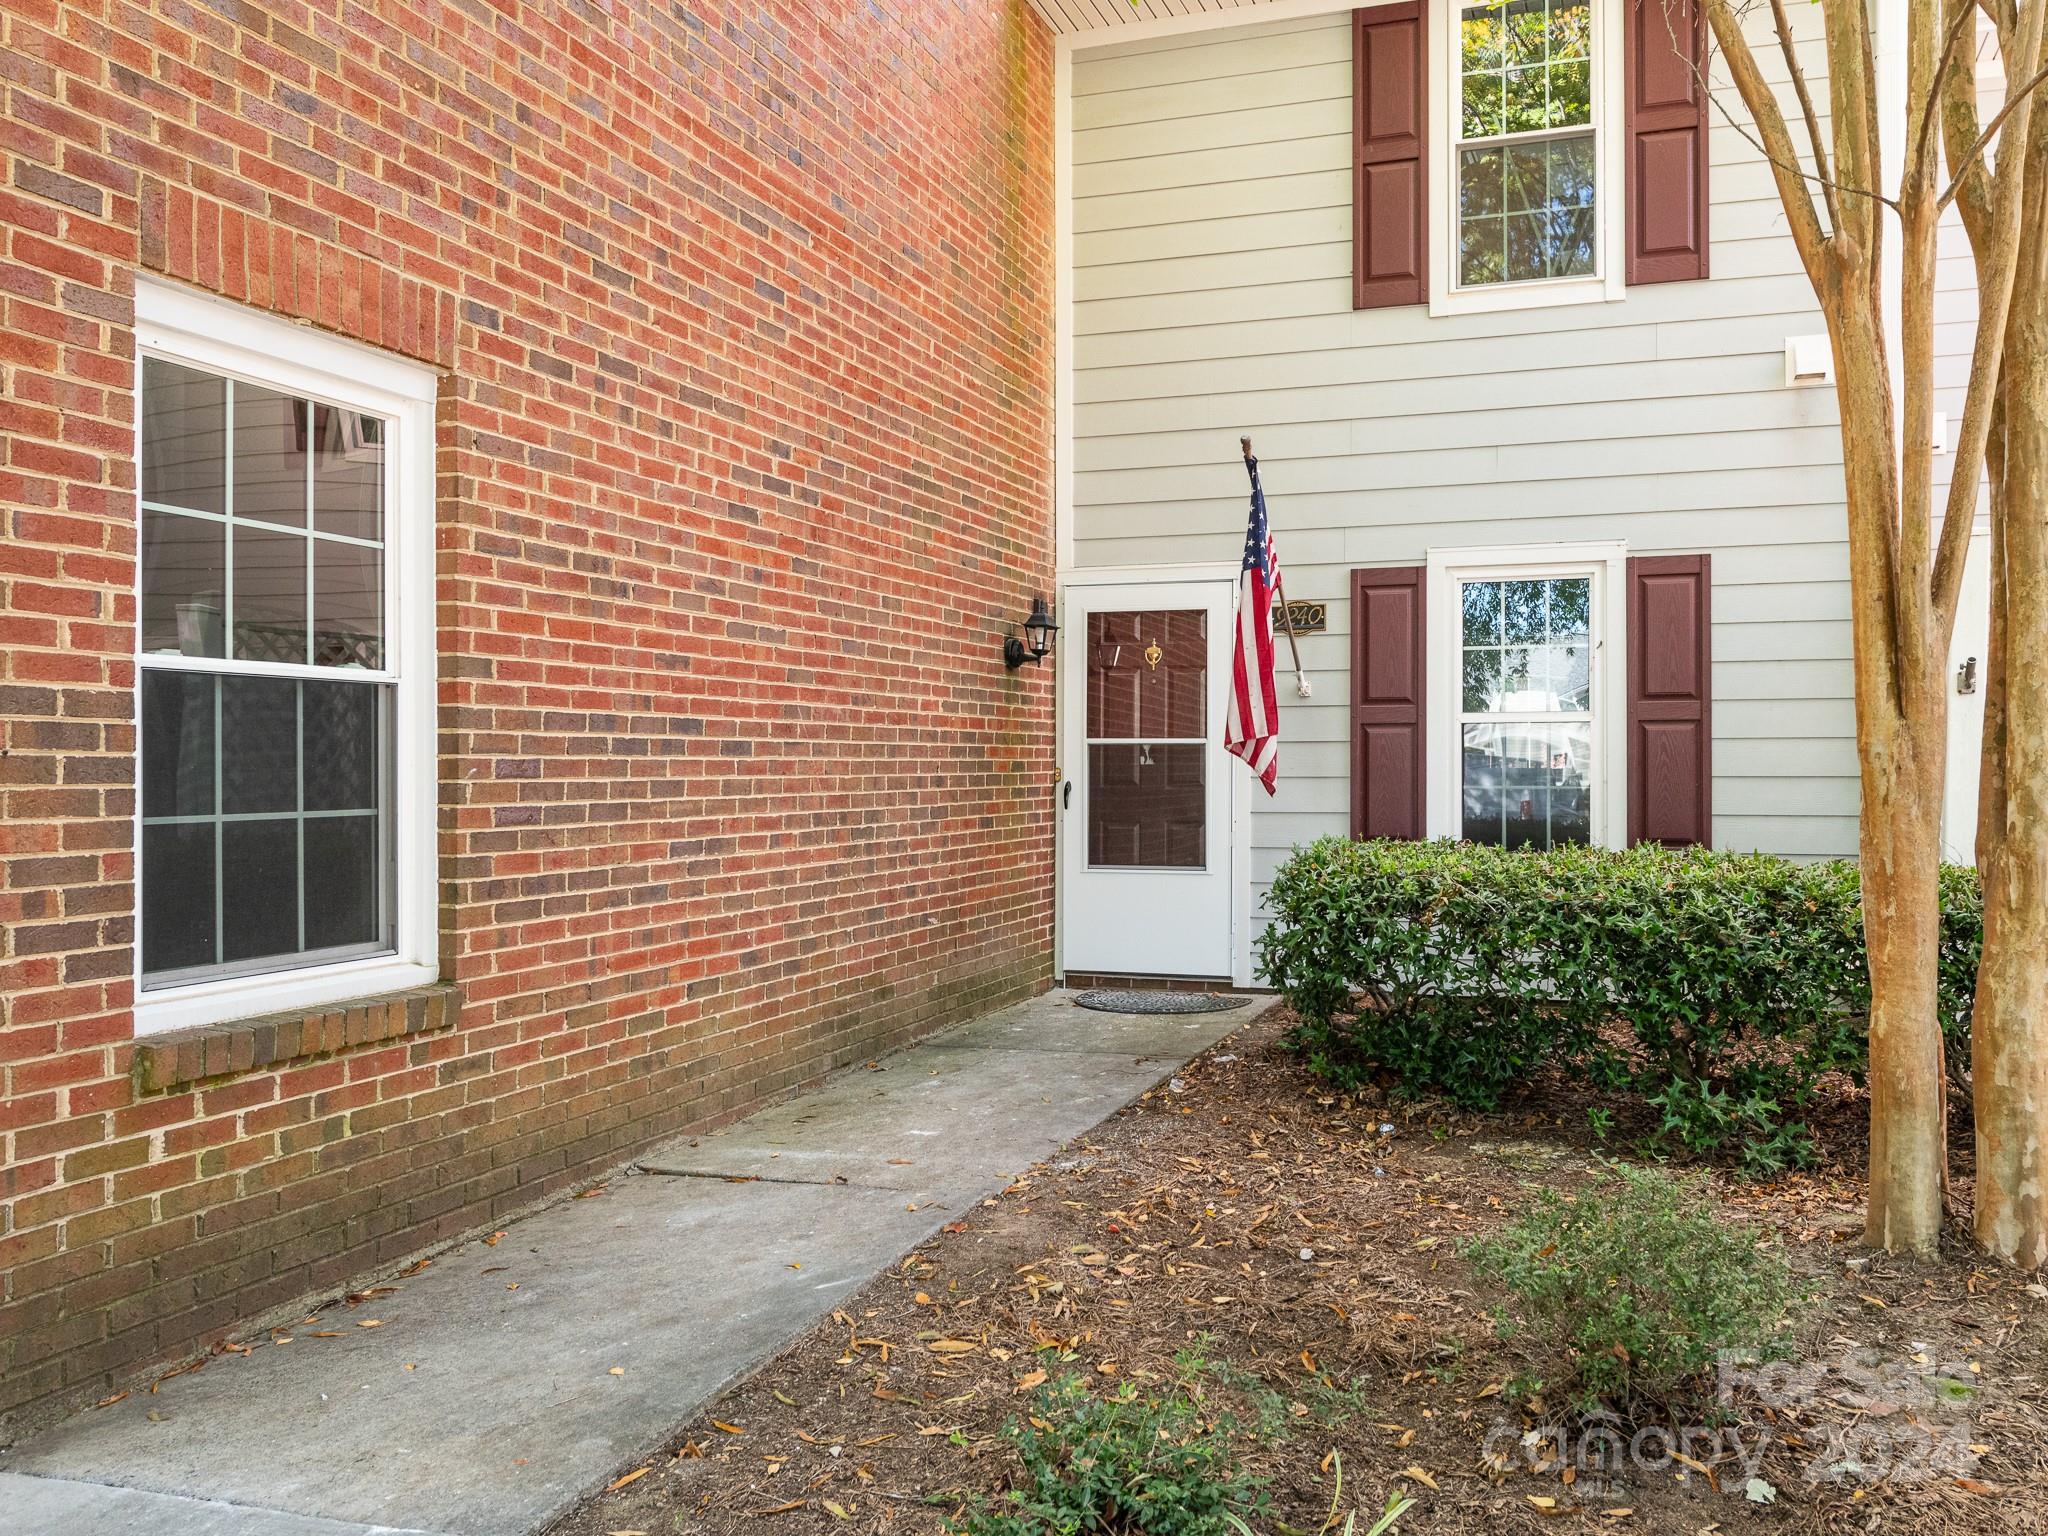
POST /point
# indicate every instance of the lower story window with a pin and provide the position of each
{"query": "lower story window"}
(1526, 724)
(284, 665)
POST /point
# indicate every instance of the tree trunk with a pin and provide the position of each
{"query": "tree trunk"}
(2008, 1066)
(2009, 1030)
(1901, 731)
(1901, 850)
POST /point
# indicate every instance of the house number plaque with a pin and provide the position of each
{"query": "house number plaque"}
(1309, 618)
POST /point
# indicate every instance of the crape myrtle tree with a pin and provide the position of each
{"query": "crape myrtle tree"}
(1843, 203)
(2008, 232)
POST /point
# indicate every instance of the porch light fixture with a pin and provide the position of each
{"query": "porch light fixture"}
(1038, 631)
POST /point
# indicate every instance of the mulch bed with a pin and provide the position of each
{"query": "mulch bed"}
(1308, 1243)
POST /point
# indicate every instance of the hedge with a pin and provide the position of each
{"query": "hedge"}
(1740, 978)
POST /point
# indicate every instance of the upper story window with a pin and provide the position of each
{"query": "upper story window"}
(1526, 161)
(284, 665)
(1511, 154)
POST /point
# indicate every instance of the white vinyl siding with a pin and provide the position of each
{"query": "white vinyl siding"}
(1955, 334)
(1212, 255)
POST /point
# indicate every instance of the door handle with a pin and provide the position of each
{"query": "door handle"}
(1067, 794)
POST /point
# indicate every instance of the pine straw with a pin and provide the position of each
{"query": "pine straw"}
(1257, 1212)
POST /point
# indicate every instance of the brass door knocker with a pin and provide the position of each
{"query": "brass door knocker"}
(1152, 655)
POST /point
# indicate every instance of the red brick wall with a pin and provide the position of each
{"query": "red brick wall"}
(744, 462)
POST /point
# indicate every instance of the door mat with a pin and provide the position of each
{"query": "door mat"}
(1106, 1001)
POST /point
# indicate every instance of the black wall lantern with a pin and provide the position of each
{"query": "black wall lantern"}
(1038, 632)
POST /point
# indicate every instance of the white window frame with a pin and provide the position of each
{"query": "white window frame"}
(1608, 283)
(184, 326)
(1607, 565)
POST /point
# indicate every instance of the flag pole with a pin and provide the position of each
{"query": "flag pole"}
(1286, 615)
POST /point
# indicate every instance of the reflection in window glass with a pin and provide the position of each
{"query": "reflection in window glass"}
(1148, 674)
(1525, 702)
(266, 838)
(270, 594)
(348, 472)
(1527, 785)
(1527, 646)
(1526, 159)
(348, 609)
(184, 437)
(270, 456)
(184, 585)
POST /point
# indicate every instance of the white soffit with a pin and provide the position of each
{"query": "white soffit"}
(1105, 18)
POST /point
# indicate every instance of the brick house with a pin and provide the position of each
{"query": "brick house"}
(589, 458)
(514, 514)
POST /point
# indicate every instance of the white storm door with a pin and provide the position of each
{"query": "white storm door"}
(1148, 821)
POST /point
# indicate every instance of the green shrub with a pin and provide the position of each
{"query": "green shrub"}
(1640, 1283)
(1466, 982)
(1120, 1463)
(1458, 968)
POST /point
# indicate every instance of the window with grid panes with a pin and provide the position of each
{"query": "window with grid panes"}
(266, 692)
(1526, 711)
(1526, 160)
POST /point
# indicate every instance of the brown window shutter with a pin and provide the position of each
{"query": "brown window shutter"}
(1388, 702)
(1670, 701)
(1389, 100)
(1665, 44)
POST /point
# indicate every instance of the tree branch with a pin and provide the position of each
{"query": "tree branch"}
(1960, 127)
(1852, 107)
(1919, 257)
(1942, 68)
(2017, 207)
(1793, 167)
(2013, 98)
(1813, 133)
(2005, 17)
(1816, 247)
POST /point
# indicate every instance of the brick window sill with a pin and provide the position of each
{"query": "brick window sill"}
(181, 1056)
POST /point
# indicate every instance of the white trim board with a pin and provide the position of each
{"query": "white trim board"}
(218, 333)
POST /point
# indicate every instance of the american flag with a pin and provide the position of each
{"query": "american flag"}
(1253, 732)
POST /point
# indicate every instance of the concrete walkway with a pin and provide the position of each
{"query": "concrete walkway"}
(506, 1381)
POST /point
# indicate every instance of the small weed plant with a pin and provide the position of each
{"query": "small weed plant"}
(1271, 1414)
(1397, 1505)
(1121, 1462)
(1636, 1284)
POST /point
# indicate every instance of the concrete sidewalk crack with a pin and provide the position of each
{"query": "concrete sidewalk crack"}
(769, 1178)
